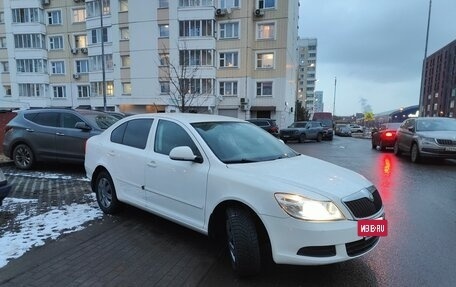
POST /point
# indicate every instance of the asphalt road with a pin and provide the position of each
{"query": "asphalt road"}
(135, 248)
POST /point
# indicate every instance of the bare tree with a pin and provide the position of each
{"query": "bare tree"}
(187, 88)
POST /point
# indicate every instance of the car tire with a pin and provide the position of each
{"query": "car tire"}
(106, 193)
(415, 153)
(397, 150)
(382, 147)
(374, 146)
(319, 137)
(302, 138)
(243, 243)
(23, 157)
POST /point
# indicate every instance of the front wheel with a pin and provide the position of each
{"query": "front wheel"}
(23, 157)
(415, 154)
(319, 137)
(243, 243)
(106, 193)
(397, 151)
(302, 138)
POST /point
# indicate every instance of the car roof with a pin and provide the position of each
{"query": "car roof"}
(187, 117)
(81, 111)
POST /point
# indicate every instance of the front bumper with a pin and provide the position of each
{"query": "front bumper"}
(315, 243)
(437, 153)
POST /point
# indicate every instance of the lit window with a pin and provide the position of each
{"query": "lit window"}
(79, 15)
(123, 5)
(124, 33)
(266, 31)
(265, 60)
(125, 60)
(126, 88)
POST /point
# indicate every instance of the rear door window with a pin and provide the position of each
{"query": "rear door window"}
(133, 133)
(49, 119)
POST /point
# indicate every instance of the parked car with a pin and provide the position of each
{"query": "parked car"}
(5, 187)
(52, 135)
(328, 132)
(354, 128)
(268, 125)
(302, 131)
(226, 178)
(427, 137)
(343, 130)
(384, 136)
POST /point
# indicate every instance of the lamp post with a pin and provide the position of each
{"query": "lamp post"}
(103, 69)
(334, 103)
(423, 71)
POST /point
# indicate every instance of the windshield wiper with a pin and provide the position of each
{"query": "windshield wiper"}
(242, 160)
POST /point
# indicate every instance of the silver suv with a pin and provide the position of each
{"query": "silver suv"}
(52, 135)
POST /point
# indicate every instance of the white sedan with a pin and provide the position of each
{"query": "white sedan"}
(230, 179)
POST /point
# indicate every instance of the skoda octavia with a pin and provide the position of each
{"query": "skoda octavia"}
(230, 179)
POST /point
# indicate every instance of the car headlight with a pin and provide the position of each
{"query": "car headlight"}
(425, 140)
(303, 208)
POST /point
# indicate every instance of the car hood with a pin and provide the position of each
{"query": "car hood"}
(439, 134)
(305, 175)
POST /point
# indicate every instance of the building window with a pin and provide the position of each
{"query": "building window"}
(164, 59)
(163, 3)
(228, 88)
(125, 61)
(228, 59)
(265, 60)
(2, 17)
(82, 66)
(93, 8)
(80, 41)
(194, 3)
(31, 66)
(124, 33)
(54, 17)
(79, 15)
(435, 106)
(97, 65)
(3, 42)
(96, 35)
(452, 104)
(123, 5)
(96, 88)
(164, 30)
(31, 90)
(5, 66)
(229, 3)
(265, 31)
(196, 28)
(195, 58)
(83, 91)
(266, 4)
(126, 88)
(264, 89)
(164, 87)
(7, 89)
(55, 42)
(33, 41)
(229, 30)
(27, 15)
(57, 68)
(196, 86)
(59, 92)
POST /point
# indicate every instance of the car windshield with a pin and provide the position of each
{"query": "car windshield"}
(436, 125)
(239, 142)
(298, 125)
(103, 121)
(392, 126)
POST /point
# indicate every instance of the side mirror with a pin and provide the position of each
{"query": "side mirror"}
(82, 126)
(184, 153)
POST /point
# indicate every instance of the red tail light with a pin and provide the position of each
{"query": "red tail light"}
(389, 134)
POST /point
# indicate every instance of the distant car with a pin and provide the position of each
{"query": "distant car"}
(52, 135)
(225, 178)
(268, 125)
(385, 135)
(427, 137)
(5, 188)
(302, 131)
(343, 131)
(354, 128)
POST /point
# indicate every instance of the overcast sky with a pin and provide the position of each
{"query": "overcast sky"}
(375, 49)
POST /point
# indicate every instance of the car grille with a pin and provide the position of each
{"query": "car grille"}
(446, 142)
(361, 246)
(363, 207)
(288, 133)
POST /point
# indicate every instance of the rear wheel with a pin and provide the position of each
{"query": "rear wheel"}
(23, 157)
(374, 146)
(106, 193)
(319, 137)
(302, 138)
(415, 153)
(243, 243)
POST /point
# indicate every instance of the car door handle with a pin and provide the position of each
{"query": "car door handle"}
(30, 130)
(59, 134)
(152, 163)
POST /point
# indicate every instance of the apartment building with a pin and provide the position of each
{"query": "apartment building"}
(307, 72)
(227, 57)
(439, 85)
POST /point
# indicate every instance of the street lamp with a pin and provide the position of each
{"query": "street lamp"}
(423, 71)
